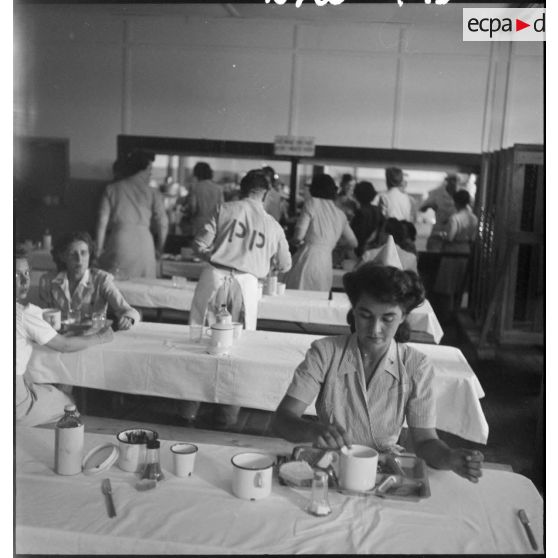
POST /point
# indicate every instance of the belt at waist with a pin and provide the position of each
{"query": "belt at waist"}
(114, 226)
(226, 269)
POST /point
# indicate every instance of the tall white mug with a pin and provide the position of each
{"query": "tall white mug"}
(357, 468)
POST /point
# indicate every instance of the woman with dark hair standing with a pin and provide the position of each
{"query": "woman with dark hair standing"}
(77, 286)
(318, 229)
(368, 218)
(205, 196)
(128, 207)
(369, 382)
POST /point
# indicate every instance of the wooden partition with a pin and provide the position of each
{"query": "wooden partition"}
(508, 266)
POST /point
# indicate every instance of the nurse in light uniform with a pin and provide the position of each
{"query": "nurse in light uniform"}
(240, 242)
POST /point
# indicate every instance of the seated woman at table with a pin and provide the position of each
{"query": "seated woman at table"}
(77, 286)
(40, 403)
(367, 383)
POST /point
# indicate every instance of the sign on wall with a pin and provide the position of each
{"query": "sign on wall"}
(297, 146)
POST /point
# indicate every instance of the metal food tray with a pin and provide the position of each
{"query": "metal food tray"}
(409, 472)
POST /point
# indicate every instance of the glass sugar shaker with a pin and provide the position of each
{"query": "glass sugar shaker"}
(320, 504)
(152, 469)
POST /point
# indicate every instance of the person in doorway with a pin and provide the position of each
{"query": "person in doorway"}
(368, 218)
(368, 383)
(346, 199)
(441, 201)
(37, 403)
(320, 226)
(462, 226)
(396, 203)
(127, 209)
(241, 243)
(274, 203)
(78, 286)
(205, 196)
(453, 273)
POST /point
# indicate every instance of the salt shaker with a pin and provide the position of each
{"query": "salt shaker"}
(320, 504)
(152, 469)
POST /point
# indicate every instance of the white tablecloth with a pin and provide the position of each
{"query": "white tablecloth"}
(306, 307)
(200, 515)
(158, 359)
(191, 270)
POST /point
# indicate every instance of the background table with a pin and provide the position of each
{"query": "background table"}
(182, 268)
(159, 360)
(200, 515)
(40, 259)
(308, 311)
(301, 307)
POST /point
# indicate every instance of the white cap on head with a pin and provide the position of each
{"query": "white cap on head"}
(384, 255)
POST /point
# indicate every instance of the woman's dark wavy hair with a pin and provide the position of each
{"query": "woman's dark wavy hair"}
(323, 186)
(135, 162)
(202, 171)
(386, 284)
(365, 192)
(62, 243)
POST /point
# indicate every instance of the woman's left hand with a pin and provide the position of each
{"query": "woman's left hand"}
(467, 463)
(124, 323)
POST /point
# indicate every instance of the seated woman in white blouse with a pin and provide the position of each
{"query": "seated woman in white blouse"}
(77, 286)
(368, 383)
(40, 403)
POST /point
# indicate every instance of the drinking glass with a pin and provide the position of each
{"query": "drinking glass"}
(98, 320)
(74, 317)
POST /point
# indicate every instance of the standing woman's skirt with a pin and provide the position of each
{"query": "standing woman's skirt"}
(129, 252)
(312, 269)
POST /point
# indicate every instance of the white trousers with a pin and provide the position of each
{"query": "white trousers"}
(209, 282)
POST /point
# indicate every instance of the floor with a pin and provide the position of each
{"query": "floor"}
(511, 381)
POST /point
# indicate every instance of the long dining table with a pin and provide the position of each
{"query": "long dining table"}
(159, 360)
(297, 310)
(200, 514)
(312, 311)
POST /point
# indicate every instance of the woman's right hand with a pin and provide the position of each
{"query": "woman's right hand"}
(331, 436)
(105, 334)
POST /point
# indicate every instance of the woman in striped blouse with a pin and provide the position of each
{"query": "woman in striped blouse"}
(369, 382)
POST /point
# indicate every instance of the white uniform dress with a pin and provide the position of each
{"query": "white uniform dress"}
(321, 224)
(34, 403)
(444, 209)
(242, 239)
(461, 232)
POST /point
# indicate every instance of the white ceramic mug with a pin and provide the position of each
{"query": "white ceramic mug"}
(221, 338)
(237, 329)
(281, 289)
(357, 467)
(252, 475)
(54, 317)
(131, 456)
(184, 456)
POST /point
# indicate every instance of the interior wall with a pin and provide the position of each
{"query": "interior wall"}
(89, 75)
